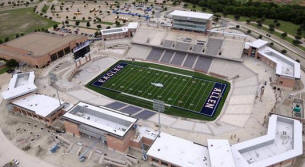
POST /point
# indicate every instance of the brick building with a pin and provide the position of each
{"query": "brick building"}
(287, 70)
(114, 129)
(43, 108)
(38, 49)
(278, 148)
(119, 33)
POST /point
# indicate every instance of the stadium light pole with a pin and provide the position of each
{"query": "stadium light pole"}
(158, 105)
(53, 79)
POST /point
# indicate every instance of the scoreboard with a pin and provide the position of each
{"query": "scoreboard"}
(81, 50)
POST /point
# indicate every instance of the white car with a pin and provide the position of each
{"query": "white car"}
(16, 162)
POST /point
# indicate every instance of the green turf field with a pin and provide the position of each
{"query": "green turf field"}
(185, 92)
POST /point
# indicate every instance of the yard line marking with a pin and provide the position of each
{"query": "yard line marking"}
(204, 93)
(196, 92)
(181, 91)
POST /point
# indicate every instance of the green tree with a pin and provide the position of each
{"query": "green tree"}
(284, 35)
(298, 37)
(271, 27)
(236, 17)
(12, 63)
(296, 42)
(117, 23)
(88, 24)
(55, 26)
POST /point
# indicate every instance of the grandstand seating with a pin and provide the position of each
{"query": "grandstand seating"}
(182, 46)
(190, 60)
(168, 43)
(168, 54)
(197, 48)
(214, 46)
(178, 58)
(155, 54)
(203, 64)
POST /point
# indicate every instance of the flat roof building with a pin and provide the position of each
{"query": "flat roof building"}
(169, 150)
(220, 153)
(193, 21)
(287, 70)
(121, 32)
(41, 107)
(279, 147)
(113, 128)
(20, 84)
(38, 49)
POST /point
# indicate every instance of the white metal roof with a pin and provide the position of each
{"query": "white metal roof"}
(103, 123)
(133, 25)
(114, 31)
(146, 132)
(285, 66)
(191, 14)
(20, 84)
(220, 153)
(283, 141)
(179, 151)
(247, 45)
(40, 104)
(258, 43)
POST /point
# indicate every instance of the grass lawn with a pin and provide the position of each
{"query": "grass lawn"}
(105, 22)
(285, 26)
(241, 18)
(22, 20)
(288, 39)
(3, 70)
(186, 93)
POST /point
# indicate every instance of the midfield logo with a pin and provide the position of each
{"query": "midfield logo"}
(160, 85)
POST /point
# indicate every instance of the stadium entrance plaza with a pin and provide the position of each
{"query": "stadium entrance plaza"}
(243, 116)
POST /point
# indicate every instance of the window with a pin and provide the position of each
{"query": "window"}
(155, 160)
(164, 163)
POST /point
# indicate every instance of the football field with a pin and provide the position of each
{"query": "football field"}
(179, 90)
